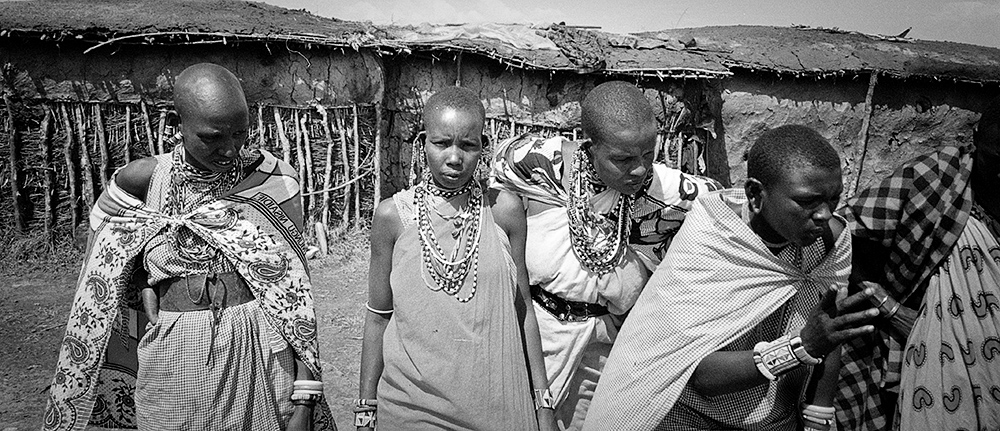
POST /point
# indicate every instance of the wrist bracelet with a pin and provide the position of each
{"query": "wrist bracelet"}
(775, 358)
(299, 396)
(801, 354)
(893, 311)
(365, 419)
(543, 399)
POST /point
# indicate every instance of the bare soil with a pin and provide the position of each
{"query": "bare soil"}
(35, 302)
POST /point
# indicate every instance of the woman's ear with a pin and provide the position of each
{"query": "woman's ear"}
(755, 193)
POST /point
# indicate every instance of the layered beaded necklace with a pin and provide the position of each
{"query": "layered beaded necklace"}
(599, 242)
(448, 273)
(189, 188)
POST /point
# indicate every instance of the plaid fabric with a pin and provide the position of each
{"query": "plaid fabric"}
(917, 214)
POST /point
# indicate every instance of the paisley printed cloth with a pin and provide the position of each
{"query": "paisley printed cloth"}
(917, 213)
(257, 226)
(717, 282)
(951, 370)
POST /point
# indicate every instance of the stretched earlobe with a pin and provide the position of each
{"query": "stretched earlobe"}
(754, 191)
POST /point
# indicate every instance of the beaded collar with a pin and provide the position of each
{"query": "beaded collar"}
(599, 242)
(448, 273)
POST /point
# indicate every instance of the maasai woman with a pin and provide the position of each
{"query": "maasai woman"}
(214, 232)
(450, 336)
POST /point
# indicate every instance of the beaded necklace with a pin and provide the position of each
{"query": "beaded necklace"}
(598, 241)
(448, 273)
(186, 182)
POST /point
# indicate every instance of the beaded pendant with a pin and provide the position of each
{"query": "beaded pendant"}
(448, 273)
(599, 242)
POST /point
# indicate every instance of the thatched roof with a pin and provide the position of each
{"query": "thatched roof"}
(176, 21)
(815, 51)
(708, 52)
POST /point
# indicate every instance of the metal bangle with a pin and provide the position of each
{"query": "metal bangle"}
(893, 311)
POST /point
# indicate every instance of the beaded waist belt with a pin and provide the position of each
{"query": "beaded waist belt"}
(203, 292)
(566, 310)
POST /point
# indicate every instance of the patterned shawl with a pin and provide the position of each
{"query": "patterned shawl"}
(717, 282)
(533, 168)
(256, 226)
(917, 214)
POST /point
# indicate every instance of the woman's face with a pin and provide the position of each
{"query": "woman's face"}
(214, 134)
(624, 158)
(799, 207)
(453, 145)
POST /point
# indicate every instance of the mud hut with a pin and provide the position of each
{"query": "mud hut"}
(87, 87)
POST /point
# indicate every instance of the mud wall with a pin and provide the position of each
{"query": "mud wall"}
(908, 118)
(538, 101)
(271, 74)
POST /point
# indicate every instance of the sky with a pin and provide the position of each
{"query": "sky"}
(976, 22)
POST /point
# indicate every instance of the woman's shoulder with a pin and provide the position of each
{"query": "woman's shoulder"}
(135, 177)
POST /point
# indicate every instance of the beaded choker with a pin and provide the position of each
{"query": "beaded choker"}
(599, 242)
(448, 273)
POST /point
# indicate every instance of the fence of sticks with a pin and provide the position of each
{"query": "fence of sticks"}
(62, 154)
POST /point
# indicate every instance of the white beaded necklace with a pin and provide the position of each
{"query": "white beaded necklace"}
(598, 241)
(448, 273)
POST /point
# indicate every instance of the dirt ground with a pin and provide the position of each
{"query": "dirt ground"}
(35, 301)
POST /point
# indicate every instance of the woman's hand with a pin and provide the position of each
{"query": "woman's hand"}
(301, 419)
(834, 321)
(901, 321)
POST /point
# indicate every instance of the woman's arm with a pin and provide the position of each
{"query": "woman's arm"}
(384, 232)
(509, 214)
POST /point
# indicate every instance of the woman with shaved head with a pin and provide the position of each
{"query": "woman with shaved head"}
(205, 243)
(600, 214)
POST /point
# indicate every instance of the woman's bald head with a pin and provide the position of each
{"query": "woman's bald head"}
(614, 107)
(207, 86)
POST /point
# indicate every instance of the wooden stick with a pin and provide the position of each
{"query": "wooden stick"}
(128, 134)
(862, 148)
(102, 146)
(346, 216)
(328, 168)
(149, 129)
(71, 170)
(49, 175)
(378, 156)
(160, 131)
(14, 140)
(260, 126)
(357, 169)
(88, 169)
(286, 148)
(307, 168)
(300, 162)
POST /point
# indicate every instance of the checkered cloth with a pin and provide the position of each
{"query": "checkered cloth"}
(917, 214)
(717, 283)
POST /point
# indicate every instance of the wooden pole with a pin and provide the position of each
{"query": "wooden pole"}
(862, 148)
(378, 156)
(261, 139)
(286, 147)
(102, 146)
(49, 175)
(160, 129)
(70, 167)
(328, 168)
(14, 140)
(300, 163)
(149, 129)
(88, 169)
(346, 216)
(128, 134)
(357, 169)
(307, 168)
